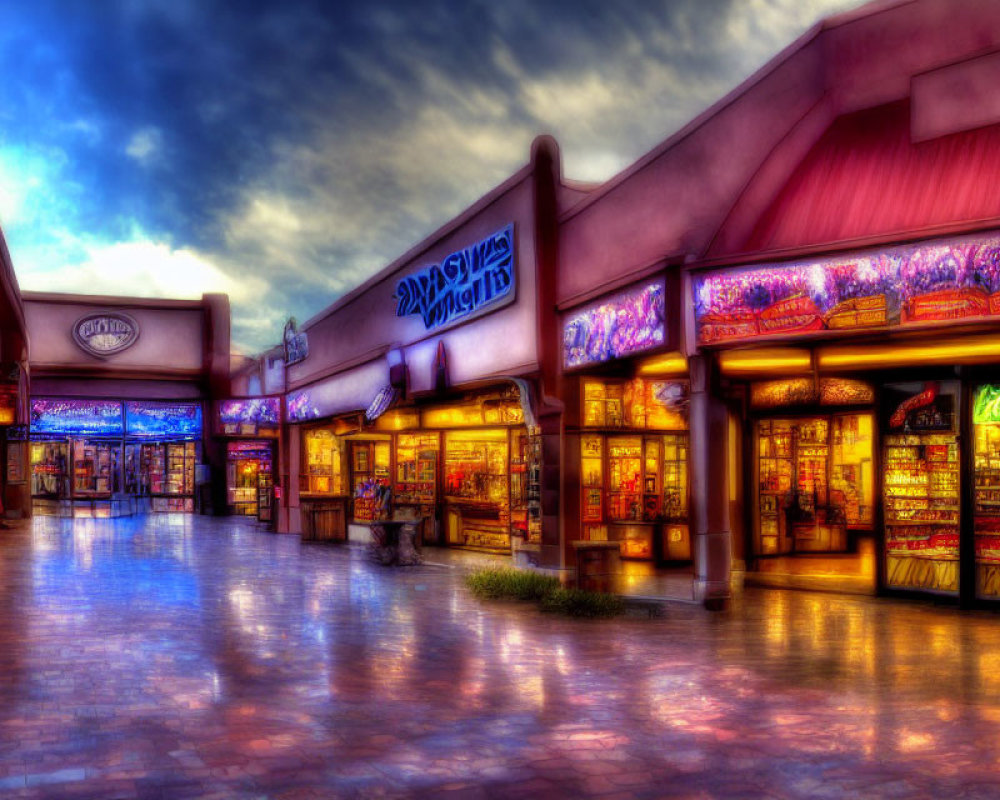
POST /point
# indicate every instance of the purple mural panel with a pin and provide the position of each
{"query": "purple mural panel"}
(300, 407)
(934, 281)
(250, 416)
(625, 323)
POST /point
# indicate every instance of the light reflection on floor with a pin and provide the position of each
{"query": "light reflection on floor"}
(191, 657)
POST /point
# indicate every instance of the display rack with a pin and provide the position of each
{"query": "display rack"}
(986, 508)
(416, 468)
(774, 438)
(921, 494)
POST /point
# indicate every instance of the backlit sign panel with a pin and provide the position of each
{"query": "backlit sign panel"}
(76, 417)
(943, 280)
(625, 323)
(250, 416)
(157, 419)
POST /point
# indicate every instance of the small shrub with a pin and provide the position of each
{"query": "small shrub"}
(578, 603)
(505, 583)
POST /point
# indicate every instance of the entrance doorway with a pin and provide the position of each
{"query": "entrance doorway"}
(815, 501)
(250, 479)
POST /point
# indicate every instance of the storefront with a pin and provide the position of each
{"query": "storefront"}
(250, 428)
(627, 424)
(119, 391)
(877, 462)
(106, 458)
(428, 392)
(467, 469)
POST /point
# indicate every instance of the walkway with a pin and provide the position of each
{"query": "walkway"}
(173, 657)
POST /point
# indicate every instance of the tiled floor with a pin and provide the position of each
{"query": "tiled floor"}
(184, 657)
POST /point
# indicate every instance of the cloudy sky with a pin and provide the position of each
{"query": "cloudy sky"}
(284, 150)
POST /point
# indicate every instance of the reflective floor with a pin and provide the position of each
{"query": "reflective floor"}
(186, 657)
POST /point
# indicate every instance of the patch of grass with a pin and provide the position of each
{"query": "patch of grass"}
(578, 603)
(506, 583)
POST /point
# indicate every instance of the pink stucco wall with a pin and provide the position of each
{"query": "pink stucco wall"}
(702, 191)
(361, 327)
(169, 338)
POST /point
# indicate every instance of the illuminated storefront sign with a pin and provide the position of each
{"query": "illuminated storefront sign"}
(805, 391)
(463, 283)
(250, 416)
(986, 406)
(163, 419)
(105, 334)
(944, 280)
(300, 407)
(76, 417)
(628, 322)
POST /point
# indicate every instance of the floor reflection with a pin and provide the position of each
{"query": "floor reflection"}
(187, 656)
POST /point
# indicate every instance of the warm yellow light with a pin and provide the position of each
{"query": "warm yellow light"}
(965, 350)
(666, 364)
(768, 361)
(453, 438)
(452, 416)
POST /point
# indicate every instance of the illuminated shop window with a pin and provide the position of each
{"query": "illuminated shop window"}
(322, 467)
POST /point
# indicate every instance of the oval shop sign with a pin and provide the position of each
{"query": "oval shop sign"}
(105, 334)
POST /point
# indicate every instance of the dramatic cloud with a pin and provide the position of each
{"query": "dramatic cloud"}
(283, 152)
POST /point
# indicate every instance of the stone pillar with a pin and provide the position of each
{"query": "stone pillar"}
(712, 540)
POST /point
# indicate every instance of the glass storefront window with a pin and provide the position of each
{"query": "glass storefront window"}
(476, 466)
(815, 481)
(986, 493)
(921, 486)
(321, 453)
(640, 404)
(49, 470)
(416, 468)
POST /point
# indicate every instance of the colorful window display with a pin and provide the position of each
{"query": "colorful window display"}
(986, 492)
(95, 469)
(477, 488)
(815, 482)
(76, 417)
(250, 416)
(321, 468)
(416, 468)
(50, 470)
(370, 461)
(626, 480)
(921, 486)
(634, 486)
(639, 403)
(943, 280)
(163, 420)
(629, 322)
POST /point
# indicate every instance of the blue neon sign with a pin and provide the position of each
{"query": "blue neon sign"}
(464, 282)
